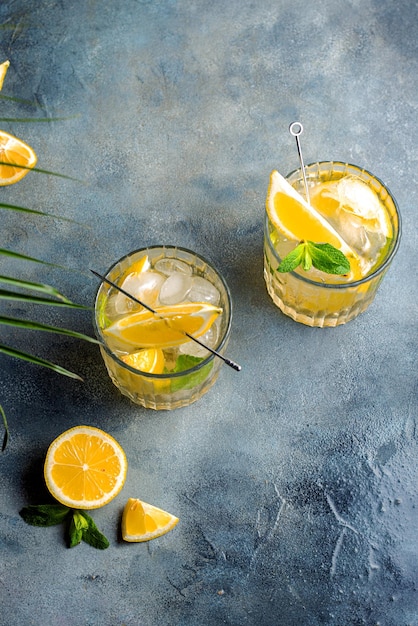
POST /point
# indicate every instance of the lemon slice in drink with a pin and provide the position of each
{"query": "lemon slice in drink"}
(142, 521)
(85, 468)
(164, 328)
(141, 265)
(131, 280)
(356, 197)
(150, 360)
(291, 215)
(14, 153)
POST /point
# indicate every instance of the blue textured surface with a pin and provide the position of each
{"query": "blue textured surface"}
(295, 480)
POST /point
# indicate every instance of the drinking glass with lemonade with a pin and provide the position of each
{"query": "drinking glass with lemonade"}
(324, 259)
(147, 353)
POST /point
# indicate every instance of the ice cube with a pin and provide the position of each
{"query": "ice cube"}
(203, 291)
(175, 288)
(360, 234)
(168, 266)
(210, 338)
(143, 285)
(357, 197)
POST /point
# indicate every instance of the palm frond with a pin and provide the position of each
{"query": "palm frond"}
(39, 170)
(20, 100)
(6, 429)
(22, 209)
(38, 361)
(23, 297)
(31, 325)
(37, 119)
(55, 297)
(24, 257)
(25, 284)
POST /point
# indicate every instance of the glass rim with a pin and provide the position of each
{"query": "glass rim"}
(167, 375)
(388, 259)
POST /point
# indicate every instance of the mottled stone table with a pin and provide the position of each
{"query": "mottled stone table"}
(295, 480)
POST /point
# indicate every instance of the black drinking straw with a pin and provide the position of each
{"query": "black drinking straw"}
(232, 364)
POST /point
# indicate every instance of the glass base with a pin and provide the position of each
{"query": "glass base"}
(159, 394)
(332, 308)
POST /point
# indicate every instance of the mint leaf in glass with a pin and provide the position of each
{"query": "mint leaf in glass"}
(322, 256)
(328, 259)
(293, 259)
(186, 362)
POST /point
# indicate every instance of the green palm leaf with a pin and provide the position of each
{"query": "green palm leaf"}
(37, 119)
(31, 325)
(21, 209)
(19, 100)
(25, 284)
(24, 257)
(23, 297)
(55, 297)
(6, 429)
(38, 169)
(37, 361)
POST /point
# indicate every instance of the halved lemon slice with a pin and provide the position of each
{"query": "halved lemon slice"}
(3, 71)
(14, 153)
(291, 215)
(85, 468)
(166, 327)
(142, 521)
(149, 360)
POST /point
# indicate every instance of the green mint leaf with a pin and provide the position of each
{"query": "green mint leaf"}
(293, 259)
(322, 256)
(81, 527)
(328, 259)
(307, 258)
(44, 514)
(80, 522)
(95, 538)
(92, 535)
(75, 535)
(77, 525)
(185, 362)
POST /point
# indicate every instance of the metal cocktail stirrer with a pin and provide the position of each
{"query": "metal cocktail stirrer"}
(232, 364)
(296, 129)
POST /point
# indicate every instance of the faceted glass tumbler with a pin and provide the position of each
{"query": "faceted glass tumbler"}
(172, 389)
(326, 304)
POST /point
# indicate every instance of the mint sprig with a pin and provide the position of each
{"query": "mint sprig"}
(321, 256)
(92, 535)
(188, 381)
(81, 527)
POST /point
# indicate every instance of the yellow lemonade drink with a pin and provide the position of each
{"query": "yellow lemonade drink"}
(351, 210)
(148, 354)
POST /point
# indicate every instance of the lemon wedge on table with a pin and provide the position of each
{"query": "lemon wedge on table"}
(85, 468)
(164, 328)
(142, 521)
(15, 159)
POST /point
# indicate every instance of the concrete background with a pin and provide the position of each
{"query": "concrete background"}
(295, 480)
